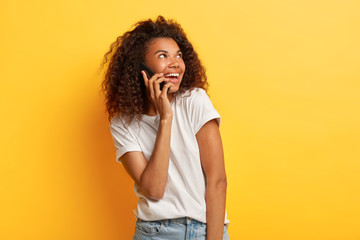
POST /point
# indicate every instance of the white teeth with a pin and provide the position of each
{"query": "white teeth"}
(172, 75)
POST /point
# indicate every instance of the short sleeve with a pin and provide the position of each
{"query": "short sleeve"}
(124, 140)
(201, 109)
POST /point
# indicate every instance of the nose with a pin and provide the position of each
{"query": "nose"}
(173, 63)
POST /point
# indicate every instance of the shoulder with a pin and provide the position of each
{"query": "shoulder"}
(198, 108)
(196, 102)
(194, 95)
(196, 92)
(199, 97)
(120, 126)
(116, 121)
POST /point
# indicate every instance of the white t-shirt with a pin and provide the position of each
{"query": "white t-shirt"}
(185, 188)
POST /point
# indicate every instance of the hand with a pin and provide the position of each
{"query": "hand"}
(158, 98)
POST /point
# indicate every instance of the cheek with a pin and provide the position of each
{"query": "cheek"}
(155, 65)
(159, 67)
(183, 66)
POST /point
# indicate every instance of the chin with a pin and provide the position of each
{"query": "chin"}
(173, 89)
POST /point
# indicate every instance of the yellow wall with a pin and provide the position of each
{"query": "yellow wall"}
(284, 75)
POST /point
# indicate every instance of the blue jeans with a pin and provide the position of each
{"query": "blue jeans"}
(173, 229)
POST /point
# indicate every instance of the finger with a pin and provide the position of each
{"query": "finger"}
(166, 88)
(151, 85)
(151, 88)
(157, 85)
(161, 79)
(156, 76)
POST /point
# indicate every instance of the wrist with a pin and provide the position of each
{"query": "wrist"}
(166, 120)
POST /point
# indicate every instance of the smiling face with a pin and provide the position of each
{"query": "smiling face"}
(164, 56)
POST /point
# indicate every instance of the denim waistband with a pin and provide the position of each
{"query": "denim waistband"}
(183, 220)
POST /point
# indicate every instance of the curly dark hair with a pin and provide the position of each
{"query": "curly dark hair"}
(123, 84)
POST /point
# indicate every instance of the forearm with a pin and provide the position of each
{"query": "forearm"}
(215, 197)
(154, 177)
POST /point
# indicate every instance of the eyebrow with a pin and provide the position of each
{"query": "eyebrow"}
(165, 51)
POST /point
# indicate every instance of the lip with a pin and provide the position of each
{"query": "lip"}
(174, 80)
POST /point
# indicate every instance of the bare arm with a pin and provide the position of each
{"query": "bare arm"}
(212, 160)
(151, 176)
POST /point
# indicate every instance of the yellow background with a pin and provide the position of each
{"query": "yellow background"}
(284, 76)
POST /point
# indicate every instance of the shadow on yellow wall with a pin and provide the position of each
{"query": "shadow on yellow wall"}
(116, 187)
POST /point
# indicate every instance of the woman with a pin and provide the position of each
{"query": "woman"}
(167, 137)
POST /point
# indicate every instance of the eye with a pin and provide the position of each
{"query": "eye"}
(162, 55)
(179, 55)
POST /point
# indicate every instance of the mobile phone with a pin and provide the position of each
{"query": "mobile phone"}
(149, 73)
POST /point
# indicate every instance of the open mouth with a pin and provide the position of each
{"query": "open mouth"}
(173, 77)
